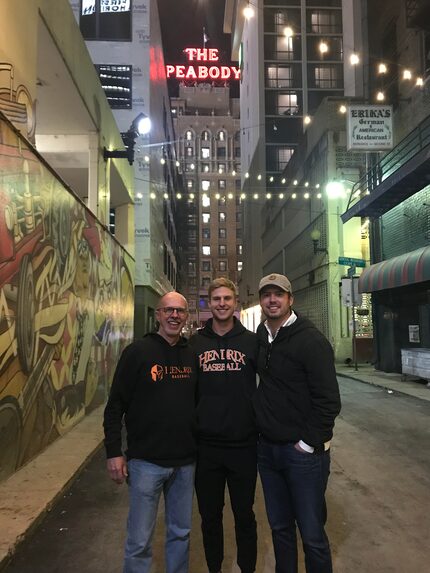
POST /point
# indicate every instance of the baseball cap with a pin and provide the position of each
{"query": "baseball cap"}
(274, 279)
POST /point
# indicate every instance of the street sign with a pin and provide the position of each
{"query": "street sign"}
(349, 262)
(351, 271)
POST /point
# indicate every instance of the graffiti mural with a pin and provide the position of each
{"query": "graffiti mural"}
(16, 104)
(66, 305)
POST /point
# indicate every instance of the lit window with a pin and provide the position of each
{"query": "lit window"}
(239, 265)
(189, 135)
(327, 77)
(222, 233)
(221, 184)
(206, 217)
(279, 77)
(106, 20)
(206, 250)
(206, 136)
(206, 202)
(239, 249)
(222, 265)
(190, 183)
(287, 104)
(222, 250)
(116, 83)
(284, 48)
(222, 217)
(206, 152)
(221, 136)
(205, 185)
(221, 167)
(284, 155)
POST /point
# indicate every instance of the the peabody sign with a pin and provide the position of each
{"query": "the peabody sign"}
(203, 66)
(370, 127)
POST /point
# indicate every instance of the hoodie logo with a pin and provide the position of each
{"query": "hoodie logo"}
(220, 360)
(157, 372)
(174, 372)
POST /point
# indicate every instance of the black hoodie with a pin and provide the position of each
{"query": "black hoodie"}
(298, 395)
(226, 384)
(154, 386)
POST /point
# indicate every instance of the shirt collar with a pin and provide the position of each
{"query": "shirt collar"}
(290, 320)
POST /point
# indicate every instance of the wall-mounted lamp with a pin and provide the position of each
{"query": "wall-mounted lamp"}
(316, 236)
(141, 125)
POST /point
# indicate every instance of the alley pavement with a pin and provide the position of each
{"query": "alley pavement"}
(30, 494)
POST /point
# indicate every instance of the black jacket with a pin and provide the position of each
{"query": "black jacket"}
(298, 395)
(226, 383)
(154, 386)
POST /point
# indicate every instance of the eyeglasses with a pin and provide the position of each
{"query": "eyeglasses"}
(169, 310)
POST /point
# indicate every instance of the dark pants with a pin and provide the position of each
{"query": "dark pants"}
(238, 468)
(294, 485)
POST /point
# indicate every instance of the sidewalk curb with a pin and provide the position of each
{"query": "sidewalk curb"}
(29, 494)
(378, 385)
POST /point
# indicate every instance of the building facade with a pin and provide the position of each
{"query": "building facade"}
(394, 192)
(207, 125)
(124, 40)
(293, 56)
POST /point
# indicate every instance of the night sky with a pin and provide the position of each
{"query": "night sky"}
(182, 23)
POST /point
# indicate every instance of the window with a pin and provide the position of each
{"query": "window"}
(222, 217)
(190, 183)
(221, 152)
(206, 250)
(284, 155)
(221, 167)
(205, 185)
(287, 104)
(191, 269)
(222, 233)
(222, 250)
(239, 249)
(206, 233)
(221, 136)
(116, 83)
(238, 232)
(238, 216)
(206, 266)
(279, 77)
(189, 135)
(206, 281)
(206, 201)
(284, 48)
(239, 265)
(221, 201)
(206, 136)
(221, 184)
(206, 152)
(327, 77)
(189, 150)
(325, 22)
(204, 167)
(206, 217)
(222, 265)
(106, 20)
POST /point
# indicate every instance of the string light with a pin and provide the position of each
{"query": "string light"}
(146, 158)
(382, 68)
(281, 195)
(354, 59)
(230, 196)
(166, 195)
(307, 119)
(342, 108)
(419, 82)
(288, 32)
(380, 96)
(293, 196)
(407, 74)
(306, 195)
(153, 196)
(283, 180)
(268, 195)
(323, 47)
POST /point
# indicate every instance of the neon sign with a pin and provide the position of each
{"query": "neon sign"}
(202, 67)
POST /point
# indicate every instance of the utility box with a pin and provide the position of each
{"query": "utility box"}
(350, 297)
(416, 361)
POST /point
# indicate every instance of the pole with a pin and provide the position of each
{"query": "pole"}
(354, 332)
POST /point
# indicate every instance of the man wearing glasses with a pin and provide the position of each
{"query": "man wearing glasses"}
(226, 354)
(296, 404)
(154, 390)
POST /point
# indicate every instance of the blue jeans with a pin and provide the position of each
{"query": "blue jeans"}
(294, 485)
(146, 482)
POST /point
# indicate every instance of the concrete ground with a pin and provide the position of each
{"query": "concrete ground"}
(378, 494)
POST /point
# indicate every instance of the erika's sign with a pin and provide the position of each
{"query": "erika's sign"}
(370, 127)
(202, 66)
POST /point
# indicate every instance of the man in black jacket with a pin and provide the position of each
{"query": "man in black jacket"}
(226, 354)
(154, 389)
(296, 404)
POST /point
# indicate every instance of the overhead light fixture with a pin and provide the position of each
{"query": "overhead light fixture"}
(248, 12)
(354, 59)
(141, 125)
